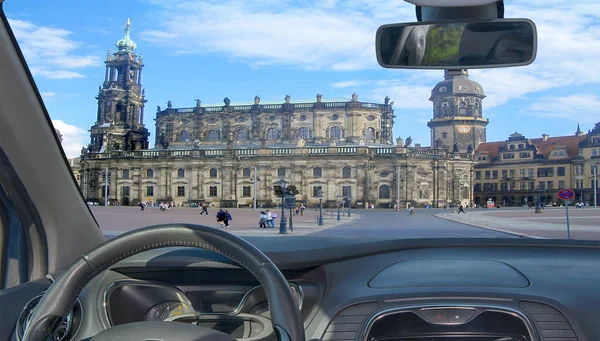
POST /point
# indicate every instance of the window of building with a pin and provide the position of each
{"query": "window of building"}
(522, 173)
(444, 135)
(346, 172)
(281, 172)
(212, 135)
(521, 146)
(595, 152)
(335, 132)
(150, 191)
(125, 173)
(512, 186)
(317, 190)
(184, 136)
(478, 175)
(303, 133)
(246, 173)
(169, 132)
(370, 133)
(246, 191)
(490, 187)
(213, 173)
(125, 191)
(525, 155)
(495, 174)
(180, 191)
(530, 172)
(578, 170)
(578, 183)
(560, 152)
(531, 185)
(384, 192)
(477, 188)
(545, 172)
(212, 191)
(542, 185)
(181, 173)
(511, 147)
(488, 175)
(242, 134)
(504, 173)
(561, 184)
(346, 191)
(504, 186)
(317, 172)
(560, 171)
(150, 173)
(508, 156)
(523, 186)
(512, 173)
(272, 134)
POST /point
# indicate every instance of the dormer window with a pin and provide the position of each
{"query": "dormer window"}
(511, 147)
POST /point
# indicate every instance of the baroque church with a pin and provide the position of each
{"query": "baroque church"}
(232, 155)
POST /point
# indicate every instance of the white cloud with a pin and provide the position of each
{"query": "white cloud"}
(336, 35)
(73, 138)
(345, 84)
(48, 94)
(49, 52)
(581, 107)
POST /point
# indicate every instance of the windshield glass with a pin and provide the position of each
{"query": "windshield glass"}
(266, 118)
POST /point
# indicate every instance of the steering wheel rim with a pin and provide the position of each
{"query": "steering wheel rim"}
(61, 296)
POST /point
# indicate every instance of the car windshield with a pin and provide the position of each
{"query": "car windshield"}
(267, 118)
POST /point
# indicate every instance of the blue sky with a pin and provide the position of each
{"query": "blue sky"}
(239, 49)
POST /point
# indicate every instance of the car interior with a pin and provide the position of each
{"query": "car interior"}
(60, 279)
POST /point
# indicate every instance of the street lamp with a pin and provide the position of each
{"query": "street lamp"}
(538, 206)
(339, 204)
(320, 196)
(281, 190)
(349, 198)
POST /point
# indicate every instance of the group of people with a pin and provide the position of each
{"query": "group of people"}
(162, 206)
(223, 217)
(267, 219)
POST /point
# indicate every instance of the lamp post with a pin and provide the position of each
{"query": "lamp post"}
(349, 204)
(538, 206)
(320, 195)
(339, 203)
(280, 190)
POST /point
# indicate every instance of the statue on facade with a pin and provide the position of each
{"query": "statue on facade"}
(143, 92)
(226, 101)
(361, 142)
(169, 105)
(83, 151)
(333, 143)
(470, 148)
(287, 99)
(158, 108)
(256, 100)
(301, 142)
(354, 97)
(408, 142)
(198, 103)
(455, 148)
(108, 55)
(391, 103)
(141, 57)
(319, 97)
(163, 141)
(399, 141)
(196, 143)
(116, 146)
(387, 100)
(439, 143)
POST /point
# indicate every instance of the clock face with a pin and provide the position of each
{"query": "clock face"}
(463, 129)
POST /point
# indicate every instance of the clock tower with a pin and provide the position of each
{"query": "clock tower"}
(457, 124)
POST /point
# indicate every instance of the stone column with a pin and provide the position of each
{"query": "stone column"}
(139, 77)
(106, 72)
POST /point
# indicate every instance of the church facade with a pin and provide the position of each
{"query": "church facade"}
(233, 154)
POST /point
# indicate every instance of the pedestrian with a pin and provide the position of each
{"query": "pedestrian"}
(461, 209)
(227, 218)
(302, 208)
(204, 209)
(221, 216)
(411, 210)
(263, 219)
(141, 206)
(270, 219)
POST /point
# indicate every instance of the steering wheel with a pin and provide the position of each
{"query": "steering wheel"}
(61, 296)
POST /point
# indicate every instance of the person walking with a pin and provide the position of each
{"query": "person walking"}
(461, 209)
(227, 218)
(270, 219)
(204, 209)
(263, 219)
(221, 216)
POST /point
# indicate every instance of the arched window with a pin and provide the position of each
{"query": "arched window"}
(346, 172)
(184, 136)
(384, 192)
(303, 133)
(335, 132)
(150, 173)
(281, 172)
(213, 172)
(370, 133)
(317, 172)
(272, 134)
(212, 135)
(246, 172)
(242, 134)
(181, 173)
(125, 173)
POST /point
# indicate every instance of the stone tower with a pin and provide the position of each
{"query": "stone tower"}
(120, 117)
(457, 124)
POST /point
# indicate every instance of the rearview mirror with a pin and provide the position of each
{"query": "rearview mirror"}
(456, 45)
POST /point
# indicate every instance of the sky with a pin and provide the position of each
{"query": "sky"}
(242, 48)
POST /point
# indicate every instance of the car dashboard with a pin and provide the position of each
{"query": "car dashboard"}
(443, 293)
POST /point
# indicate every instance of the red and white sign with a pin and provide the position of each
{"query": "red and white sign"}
(566, 194)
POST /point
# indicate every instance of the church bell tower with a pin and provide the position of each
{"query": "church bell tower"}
(458, 124)
(120, 117)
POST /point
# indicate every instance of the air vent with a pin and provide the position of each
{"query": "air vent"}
(65, 331)
(346, 324)
(553, 325)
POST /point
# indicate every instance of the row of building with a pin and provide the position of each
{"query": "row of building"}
(233, 154)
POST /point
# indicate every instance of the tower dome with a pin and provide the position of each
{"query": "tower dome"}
(125, 43)
(456, 83)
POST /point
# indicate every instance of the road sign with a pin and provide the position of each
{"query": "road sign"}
(290, 202)
(566, 194)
